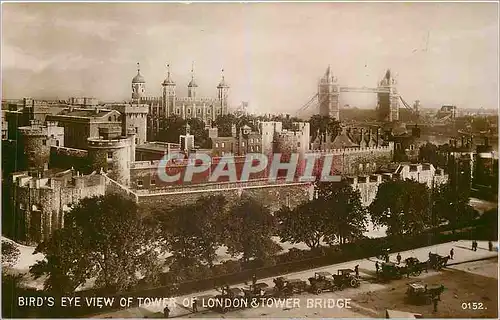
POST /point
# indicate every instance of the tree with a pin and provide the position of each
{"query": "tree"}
(103, 238)
(344, 215)
(321, 124)
(197, 128)
(436, 155)
(194, 232)
(171, 128)
(210, 218)
(224, 124)
(402, 206)
(10, 254)
(304, 224)
(249, 230)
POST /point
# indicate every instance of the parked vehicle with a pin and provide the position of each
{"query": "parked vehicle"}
(420, 293)
(346, 278)
(322, 281)
(437, 262)
(390, 271)
(287, 287)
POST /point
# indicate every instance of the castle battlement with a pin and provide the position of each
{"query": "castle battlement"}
(151, 99)
(390, 147)
(195, 100)
(113, 143)
(69, 151)
(33, 131)
(220, 186)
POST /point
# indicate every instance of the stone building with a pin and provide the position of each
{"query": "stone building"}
(83, 102)
(133, 116)
(39, 202)
(113, 153)
(354, 150)
(422, 173)
(168, 104)
(80, 124)
(156, 150)
(35, 142)
(296, 140)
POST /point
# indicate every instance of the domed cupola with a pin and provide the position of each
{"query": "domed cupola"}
(138, 85)
(222, 83)
(168, 80)
(138, 78)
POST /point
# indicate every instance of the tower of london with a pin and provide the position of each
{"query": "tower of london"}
(170, 104)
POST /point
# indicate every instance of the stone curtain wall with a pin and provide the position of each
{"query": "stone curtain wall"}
(274, 197)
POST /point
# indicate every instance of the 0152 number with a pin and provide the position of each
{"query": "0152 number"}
(472, 306)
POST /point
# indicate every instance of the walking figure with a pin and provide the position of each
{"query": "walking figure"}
(166, 312)
(195, 305)
(356, 269)
(451, 253)
(490, 245)
(435, 300)
(254, 279)
(376, 267)
(398, 258)
(475, 245)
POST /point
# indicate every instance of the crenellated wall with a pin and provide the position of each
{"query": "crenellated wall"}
(273, 195)
(39, 203)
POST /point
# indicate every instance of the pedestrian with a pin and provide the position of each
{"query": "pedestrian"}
(195, 305)
(490, 245)
(398, 258)
(376, 266)
(254, 279)
(435, 300)
(451, 253)
(356, 269)
(475, 245)
(166, 312)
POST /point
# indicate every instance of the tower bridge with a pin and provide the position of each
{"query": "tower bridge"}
(327, 99)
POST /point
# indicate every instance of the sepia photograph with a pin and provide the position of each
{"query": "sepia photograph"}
(250, 160)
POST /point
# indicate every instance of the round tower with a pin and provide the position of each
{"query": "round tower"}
(35, 147)
(112, 156)
(222, 93)
(168, 94)
(138, 85)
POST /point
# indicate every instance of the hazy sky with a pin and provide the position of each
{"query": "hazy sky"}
(273, 54)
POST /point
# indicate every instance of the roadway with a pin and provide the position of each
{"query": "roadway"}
(462, 254)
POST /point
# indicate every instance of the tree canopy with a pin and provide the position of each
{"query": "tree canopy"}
(249, 230)
(103, 238)
(10, 254)
(402, 206)
(336, 215)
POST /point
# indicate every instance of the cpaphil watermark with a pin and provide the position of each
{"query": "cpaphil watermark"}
(302, 169)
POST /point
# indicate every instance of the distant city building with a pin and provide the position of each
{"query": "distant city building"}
(447, 112)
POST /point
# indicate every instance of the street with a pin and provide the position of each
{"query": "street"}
(462, 253)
